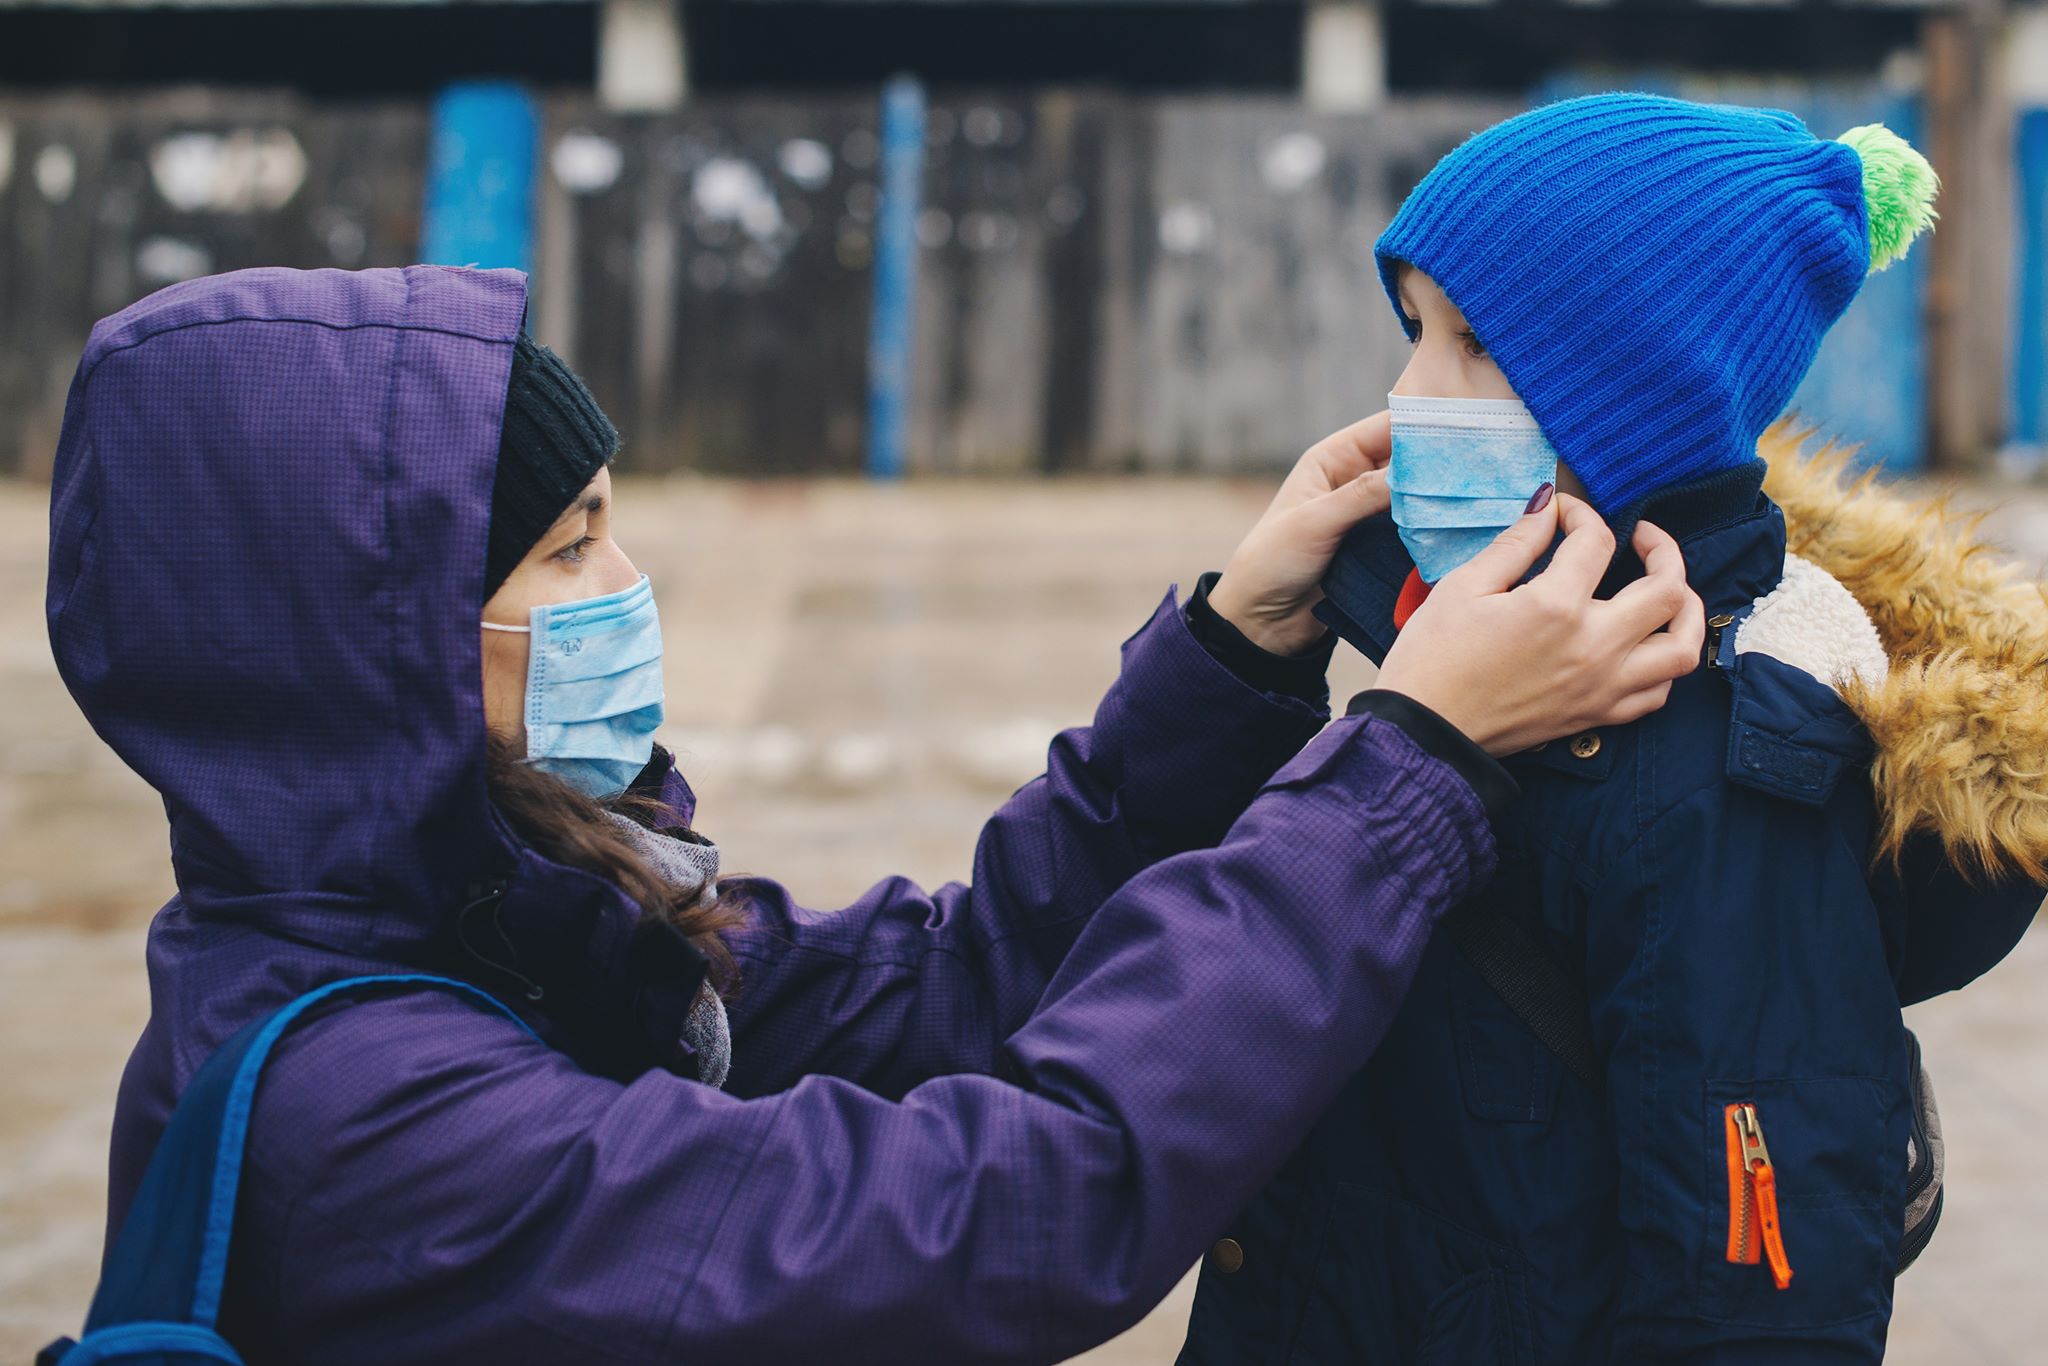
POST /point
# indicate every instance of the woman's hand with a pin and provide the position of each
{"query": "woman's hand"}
(1514, 666)
(1271, 580)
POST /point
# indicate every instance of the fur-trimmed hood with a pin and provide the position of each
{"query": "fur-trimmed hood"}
(1960, 715)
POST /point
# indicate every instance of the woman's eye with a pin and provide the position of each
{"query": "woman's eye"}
(573, 552)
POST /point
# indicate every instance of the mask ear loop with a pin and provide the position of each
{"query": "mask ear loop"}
(495, 894)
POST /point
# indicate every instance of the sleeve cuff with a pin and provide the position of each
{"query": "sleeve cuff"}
(1304, 675)
(1440, 739)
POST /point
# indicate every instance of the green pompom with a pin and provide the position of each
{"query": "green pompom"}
(1898, 191)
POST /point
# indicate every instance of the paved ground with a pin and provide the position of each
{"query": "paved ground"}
(858, 675)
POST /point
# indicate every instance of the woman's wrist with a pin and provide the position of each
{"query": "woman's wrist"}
(1440, 739)
(1298, 637)
(1301, 674)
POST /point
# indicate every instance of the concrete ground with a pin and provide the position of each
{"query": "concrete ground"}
(858, 675)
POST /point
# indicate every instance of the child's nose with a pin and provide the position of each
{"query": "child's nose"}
(1427, 375)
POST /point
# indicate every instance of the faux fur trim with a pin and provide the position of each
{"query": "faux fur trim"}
(1961, 718)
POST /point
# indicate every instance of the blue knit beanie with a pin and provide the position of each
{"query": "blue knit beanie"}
(1653, 276)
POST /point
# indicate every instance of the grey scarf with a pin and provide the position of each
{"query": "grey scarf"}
(686, 867)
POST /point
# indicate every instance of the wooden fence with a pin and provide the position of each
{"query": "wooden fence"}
(1104, 282)
(103, 200)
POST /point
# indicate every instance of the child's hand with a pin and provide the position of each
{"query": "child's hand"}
(1272, 579)
(1514, 666)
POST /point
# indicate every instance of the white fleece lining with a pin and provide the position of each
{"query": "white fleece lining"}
(1812, 622)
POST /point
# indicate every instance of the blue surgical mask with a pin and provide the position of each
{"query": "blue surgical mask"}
(1463, 471)
(593, 688)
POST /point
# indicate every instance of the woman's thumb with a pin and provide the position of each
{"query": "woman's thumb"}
(1332, 514)
(1515, 551)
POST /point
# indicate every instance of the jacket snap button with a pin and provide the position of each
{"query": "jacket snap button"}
(1721, 620)
(1228, 1254)
(1585, 746)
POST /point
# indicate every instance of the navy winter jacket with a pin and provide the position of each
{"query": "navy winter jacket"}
(1706, 875)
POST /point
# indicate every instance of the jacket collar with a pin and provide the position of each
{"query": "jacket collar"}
(617, 984)
(1732, 536)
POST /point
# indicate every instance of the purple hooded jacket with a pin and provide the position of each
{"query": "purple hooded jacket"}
(987, 1123)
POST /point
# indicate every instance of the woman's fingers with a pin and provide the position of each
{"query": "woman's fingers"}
(1581, 561)
(1635, 706)
(1649, 604)
(1333, 462)
(1662, 658)
(1511, 668)
(1661, 599)
(1365, 445)
(1324, 519)
(1271, 582)
(1657, 550)
(1513, 553)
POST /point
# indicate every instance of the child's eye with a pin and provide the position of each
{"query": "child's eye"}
(1411, 328)
(573, 552)
(1474, 348)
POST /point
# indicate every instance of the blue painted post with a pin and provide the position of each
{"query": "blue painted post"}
(2030, 313)
(478, 207)
(891, 328)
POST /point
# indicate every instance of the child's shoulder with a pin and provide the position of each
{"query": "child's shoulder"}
(1762, 722)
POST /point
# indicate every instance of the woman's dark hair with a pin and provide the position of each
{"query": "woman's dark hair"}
(559, 823)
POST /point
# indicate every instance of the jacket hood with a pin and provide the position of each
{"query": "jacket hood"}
(1959, 717)
(267, 538)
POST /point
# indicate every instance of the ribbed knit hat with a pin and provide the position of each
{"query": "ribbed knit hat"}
(1654, 276)
(555, 440)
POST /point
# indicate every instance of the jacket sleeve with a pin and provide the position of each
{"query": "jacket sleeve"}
(1734, 957)
(426, 1193)
(906, 983)
(1954, 927)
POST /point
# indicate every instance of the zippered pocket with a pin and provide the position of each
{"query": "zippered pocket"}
(1754, 1232)
(1834, 1148)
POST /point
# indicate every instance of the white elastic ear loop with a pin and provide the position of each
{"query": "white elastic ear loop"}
(510, 630)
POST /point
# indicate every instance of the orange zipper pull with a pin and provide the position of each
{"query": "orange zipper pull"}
(1742, 1241)
(1753, 1196)
(1767, 1211)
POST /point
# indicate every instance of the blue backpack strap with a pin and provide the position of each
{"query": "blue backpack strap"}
(170, 1262)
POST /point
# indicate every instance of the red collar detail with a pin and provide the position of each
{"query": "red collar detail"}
(1413, 593)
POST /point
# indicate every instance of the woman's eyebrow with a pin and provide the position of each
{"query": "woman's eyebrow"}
(589, 504)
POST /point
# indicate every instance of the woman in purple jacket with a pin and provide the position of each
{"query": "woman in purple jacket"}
(331, 568)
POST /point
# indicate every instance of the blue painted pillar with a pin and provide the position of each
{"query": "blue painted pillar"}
(2030, 304)
(892, 322)
(478, 207)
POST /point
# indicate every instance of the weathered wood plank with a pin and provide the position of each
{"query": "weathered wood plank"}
(108, 198)
(707, 272)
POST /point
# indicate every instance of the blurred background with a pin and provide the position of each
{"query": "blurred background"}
(944, 335)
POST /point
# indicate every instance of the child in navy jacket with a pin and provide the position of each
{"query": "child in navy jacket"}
(1841, 811)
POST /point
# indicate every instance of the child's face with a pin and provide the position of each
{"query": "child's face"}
(1449, 361)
